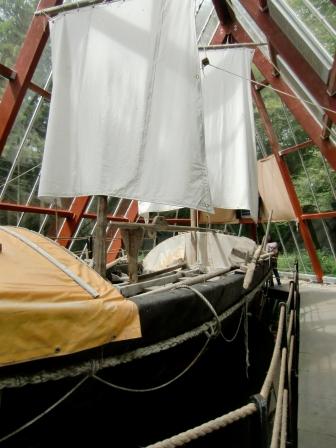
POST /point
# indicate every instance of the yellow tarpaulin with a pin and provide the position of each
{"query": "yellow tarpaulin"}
(46, 310)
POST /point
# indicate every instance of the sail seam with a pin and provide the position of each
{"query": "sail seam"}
(149, 101)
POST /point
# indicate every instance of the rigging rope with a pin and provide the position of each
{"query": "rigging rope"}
(38, 417)
(272, 88)
(161, 386)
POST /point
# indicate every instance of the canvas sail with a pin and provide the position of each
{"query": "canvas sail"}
(229, 131)
(126, 115)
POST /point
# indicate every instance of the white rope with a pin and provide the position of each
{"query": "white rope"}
(214, 312)
(237, 331)
(272, 88)
(22, 174)
(161, 386)
(206, 301)
(35, 419)
(206, 428)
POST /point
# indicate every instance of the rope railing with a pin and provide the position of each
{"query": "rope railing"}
(285, 423)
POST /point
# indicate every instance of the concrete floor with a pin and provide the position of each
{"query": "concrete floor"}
(317, 367)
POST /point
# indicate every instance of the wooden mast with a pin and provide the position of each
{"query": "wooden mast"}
(99, 248)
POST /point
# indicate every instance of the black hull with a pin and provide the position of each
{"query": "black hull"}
(97, 414)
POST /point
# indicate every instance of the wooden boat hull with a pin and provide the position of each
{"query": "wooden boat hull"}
(211, 376)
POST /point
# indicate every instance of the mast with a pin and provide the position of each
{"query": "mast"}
(99, 248)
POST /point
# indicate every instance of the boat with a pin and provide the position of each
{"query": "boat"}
(151, 353)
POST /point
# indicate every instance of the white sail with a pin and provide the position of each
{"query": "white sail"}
(229, 131)
(126, 115)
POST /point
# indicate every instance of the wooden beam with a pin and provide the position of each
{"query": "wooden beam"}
(295, 148)
(99, 244)
(25, 66)
(109, 217)
(52, 11)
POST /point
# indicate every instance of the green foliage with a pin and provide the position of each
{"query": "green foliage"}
(287, 263)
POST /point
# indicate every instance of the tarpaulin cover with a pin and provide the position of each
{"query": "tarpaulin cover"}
(44, 312)
(126, 115)
(210, 251)
(229, 131)
(273, 192)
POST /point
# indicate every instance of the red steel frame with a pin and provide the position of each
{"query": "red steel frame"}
(292, 56)
(25, 66)
(31, 51)
(267, 69)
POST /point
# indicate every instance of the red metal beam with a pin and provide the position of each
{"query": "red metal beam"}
(263, 5)
(295, 148)
(40, 91)
(304, 229)
(331, 90)
(25, 66)
(34, 209)
(226, 18)
(292, 56)
(71, 224)
(327, 123)
(308, 123)
(321, 215)
(116, 244)
(7, 72)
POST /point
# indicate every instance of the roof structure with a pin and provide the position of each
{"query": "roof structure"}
(294, 88)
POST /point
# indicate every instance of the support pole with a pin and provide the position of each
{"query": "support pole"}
(99, 250)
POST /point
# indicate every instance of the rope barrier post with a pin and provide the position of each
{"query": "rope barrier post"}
(260, 435)
(294, 380)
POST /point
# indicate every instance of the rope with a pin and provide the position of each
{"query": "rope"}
(161, 386)
(206, 301)
(237, 331)
(272, 88)
(20, 175)
(275, 357)
(283, 437)
(38, 417)
(206, 428)
(279, 404)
